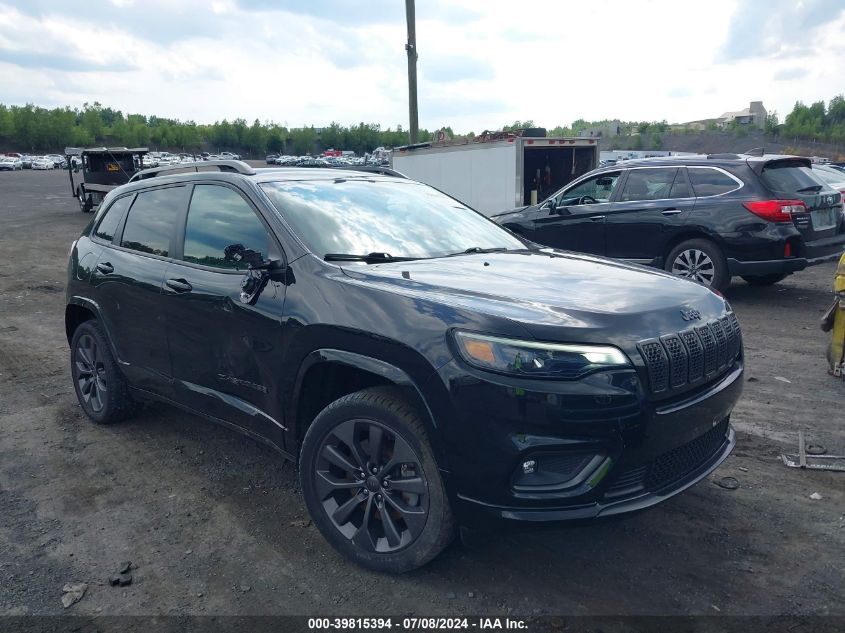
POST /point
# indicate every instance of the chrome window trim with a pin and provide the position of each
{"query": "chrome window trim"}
(740, 183)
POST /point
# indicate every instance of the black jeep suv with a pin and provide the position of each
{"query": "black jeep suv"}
(424, 366)
(707, 218)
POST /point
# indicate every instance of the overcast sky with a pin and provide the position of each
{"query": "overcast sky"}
(482, 63)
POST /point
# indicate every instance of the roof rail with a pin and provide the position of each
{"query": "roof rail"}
(725, 155)
(231, 166)
(376, 169)
(757, 151)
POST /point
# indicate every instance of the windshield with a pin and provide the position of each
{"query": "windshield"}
(399, 217)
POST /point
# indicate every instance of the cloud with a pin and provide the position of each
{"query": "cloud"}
(310, 62)
(762, 29)
(449, 69)
(366, 11)
(65, 63)
(788, 74)
(447, 110)
(681, 92)
(344, 12)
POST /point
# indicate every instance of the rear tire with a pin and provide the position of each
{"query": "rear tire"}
(101, 389)
(764, 280)
(352, 448)
(699, 260)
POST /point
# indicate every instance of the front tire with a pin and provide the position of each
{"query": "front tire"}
(101, 389)
(371, 483)
(699, 260)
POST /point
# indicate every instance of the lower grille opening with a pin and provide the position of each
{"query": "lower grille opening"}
(671, 466)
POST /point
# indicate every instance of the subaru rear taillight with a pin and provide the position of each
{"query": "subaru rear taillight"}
(776, 210)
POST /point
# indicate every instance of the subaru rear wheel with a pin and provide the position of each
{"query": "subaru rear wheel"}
(700, 261)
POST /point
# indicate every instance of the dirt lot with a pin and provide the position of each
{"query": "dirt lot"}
(215, 523)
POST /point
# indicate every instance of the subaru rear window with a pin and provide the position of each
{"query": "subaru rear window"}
(790, 177)
(710, 182)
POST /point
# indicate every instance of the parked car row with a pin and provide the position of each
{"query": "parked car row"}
(12, 162)
(707, 218)
(159, 159)
(321, 161)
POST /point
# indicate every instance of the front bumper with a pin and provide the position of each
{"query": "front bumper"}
(610, 507)
(651, 449)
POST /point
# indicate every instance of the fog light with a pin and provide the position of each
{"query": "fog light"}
(555, 472)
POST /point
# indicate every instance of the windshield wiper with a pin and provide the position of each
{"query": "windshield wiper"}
(811, 188)
(369, 258)
(478, 249)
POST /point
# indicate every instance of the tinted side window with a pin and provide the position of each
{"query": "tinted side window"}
(111, 220)
(222, 230)
(149, 227)
(709, 182)
(649, 184)
(680, 188)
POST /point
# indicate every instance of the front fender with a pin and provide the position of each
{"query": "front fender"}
(375, 366)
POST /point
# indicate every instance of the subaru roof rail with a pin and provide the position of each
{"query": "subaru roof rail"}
(724, 155)
(231, 166)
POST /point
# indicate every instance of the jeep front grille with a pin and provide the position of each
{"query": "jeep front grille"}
(676, 361)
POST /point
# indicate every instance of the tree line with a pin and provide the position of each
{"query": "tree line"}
(36, 129)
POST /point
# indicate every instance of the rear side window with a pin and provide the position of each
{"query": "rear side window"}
(111, 220)
(149, 226)
(790, 177)
(710, 182)
(651, 184)
(222, 230)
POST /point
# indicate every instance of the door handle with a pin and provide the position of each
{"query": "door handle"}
(597, 218)
(671, 211)
(179, 285)
(105, 267)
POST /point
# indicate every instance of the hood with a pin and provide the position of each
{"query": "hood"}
(548, 290)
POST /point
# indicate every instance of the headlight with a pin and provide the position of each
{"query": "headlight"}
(529, 359)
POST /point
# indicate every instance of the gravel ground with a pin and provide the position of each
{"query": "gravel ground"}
(214, 523)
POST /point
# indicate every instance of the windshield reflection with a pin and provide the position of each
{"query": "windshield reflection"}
(402, 218)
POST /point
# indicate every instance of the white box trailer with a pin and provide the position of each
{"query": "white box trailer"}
(497, 175)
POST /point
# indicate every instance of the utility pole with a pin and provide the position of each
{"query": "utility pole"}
(411, 47)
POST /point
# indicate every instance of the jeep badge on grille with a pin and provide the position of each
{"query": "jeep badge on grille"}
(691, 315)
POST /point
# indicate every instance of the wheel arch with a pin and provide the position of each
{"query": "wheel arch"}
(689, 234)
(77, 311)
(328, 374)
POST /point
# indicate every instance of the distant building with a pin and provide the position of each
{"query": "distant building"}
(754, 114)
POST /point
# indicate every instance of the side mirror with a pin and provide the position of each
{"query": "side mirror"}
(270, 265)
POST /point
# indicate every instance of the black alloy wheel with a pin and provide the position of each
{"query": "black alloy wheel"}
(89, 374)
(371, 485)
(100, 387)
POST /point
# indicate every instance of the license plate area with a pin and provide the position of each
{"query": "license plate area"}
(825, 218)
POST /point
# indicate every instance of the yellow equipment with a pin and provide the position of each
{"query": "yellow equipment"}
(834, 322)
